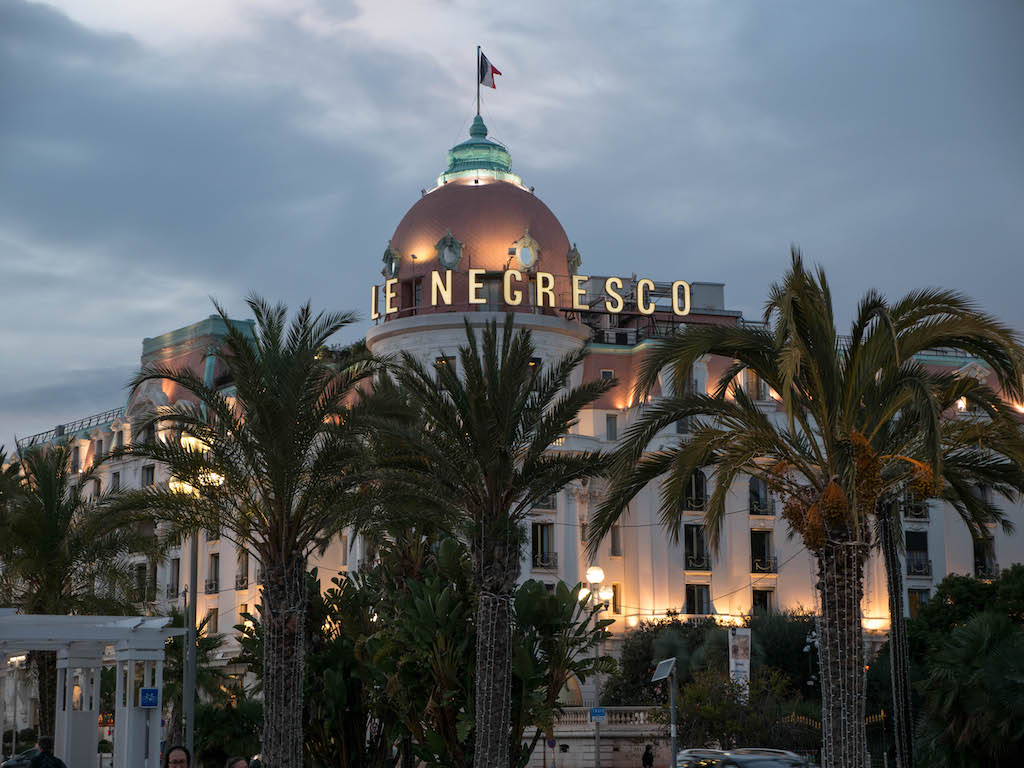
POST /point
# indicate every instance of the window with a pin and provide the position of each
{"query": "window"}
(985, 558)
(918, 563)
(444, 360)
(546, 502)
(762, 600)
(698, 599)
(212, 534)
(76, 460)
(119, 439)
(611, 427)
(697, 491)
(149, 436)
(212, 622)
(543, 546)
(695, 548)
(242, 569)
(583, 531)
(139, 582)
(243, 608)
(762, 560)
(754, 386)
(607, 374)
(758, 498)
(683, 426)
(97, 450)
(213, 574)
(344, 551)
(616, 598)
(148, 475)
(173, 577)
(115, 482)
(417, 293)
(916, 598)
(493, 294)
(616, 541)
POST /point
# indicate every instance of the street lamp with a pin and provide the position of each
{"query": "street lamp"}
(595, 575)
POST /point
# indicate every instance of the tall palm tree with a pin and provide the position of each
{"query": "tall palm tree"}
(61, 554)
(484, 458)
(835, 457)
(270, 466)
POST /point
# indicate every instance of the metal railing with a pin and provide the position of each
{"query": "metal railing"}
(915, 510)
(212, 586)
(698, 562)
(764, 564)
(242, 581)
(545, 559)
(762, 506)
(70, 428)
(918, 564)
(696, 503)
(986, 571)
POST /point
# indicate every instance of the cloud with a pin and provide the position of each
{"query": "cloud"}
(155, 154)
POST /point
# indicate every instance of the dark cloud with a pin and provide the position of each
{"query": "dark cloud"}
(691, 140)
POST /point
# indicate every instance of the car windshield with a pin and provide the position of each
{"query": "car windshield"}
(769, 762)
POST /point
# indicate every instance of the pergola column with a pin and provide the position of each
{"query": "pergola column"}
(78, 700)
(137, 729)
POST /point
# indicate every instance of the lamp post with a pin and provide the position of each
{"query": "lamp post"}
(595, 576)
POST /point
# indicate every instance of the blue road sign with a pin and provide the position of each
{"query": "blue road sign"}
(551, 743)
(597, 714)
(149, 698)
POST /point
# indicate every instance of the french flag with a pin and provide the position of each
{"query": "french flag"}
(487, 71)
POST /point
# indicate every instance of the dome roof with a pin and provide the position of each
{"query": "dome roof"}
(487, 217)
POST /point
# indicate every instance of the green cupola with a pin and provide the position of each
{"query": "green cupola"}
(479, 158)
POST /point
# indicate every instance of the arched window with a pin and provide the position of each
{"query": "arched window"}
(697, 491)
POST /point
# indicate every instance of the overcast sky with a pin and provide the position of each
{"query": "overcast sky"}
(154, 154)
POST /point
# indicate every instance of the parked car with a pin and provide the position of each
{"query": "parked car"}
(21, 760)
(748, 757)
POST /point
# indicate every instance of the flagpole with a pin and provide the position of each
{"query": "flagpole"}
(478, 79)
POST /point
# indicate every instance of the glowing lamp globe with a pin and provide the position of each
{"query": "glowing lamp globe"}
(595, 574)
(605, 593)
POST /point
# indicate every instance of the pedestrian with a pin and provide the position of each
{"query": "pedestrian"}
(648, 758)
(46, 758)
(236, 762)
(178, 757)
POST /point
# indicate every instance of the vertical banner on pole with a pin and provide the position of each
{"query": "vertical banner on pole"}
(739, 656)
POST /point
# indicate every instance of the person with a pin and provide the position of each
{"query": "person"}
(648, 758)
(177, 757)
(46, 758)
(236, 762)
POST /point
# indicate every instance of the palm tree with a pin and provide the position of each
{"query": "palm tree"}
(61, 554)
(270, 466)
(861, 425)
(484, 458)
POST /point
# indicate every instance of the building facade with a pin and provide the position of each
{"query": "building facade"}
(479, 244)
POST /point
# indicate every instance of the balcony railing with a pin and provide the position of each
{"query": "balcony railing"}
(764, 565)
(696, 503)
(698, 562)
(212, 586)
(915, 510)
(173, 590)
(762, 506)
(918, 564)
(986, 571)
(242, 581)
(545, 560)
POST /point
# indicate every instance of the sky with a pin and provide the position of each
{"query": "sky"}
(155, 155)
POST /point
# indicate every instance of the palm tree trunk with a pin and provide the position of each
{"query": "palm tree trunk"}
(45, 663)
(493, 679)
(284, 654)
(841, 653)
(899, 652)
(175, 734)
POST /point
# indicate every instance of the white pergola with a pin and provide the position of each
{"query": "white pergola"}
(80, 642)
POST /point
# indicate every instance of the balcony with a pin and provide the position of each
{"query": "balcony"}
(698, 562)
(764, 565)
(915, 510)
(762, 507)
(918, 564)
(212, 586)
(173, 590)
(986, 571)
(545, 560)
(695, 503)
(242, 581)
